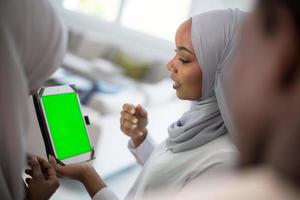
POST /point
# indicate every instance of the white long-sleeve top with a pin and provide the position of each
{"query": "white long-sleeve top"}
(141, 154)
(143, 151)
(163, 169)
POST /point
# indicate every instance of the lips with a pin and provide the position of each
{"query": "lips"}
(176, 84)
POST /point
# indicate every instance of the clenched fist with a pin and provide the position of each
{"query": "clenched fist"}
(133, 122)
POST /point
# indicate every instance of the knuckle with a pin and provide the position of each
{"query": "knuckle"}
(127, 115)
(134, 126)
(130, 117)
(126, 106)
(126, 124)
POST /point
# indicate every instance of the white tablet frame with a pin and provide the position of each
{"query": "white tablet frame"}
(63, 90)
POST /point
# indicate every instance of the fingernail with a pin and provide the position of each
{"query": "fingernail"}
(140, 133)
(134, 120)
(32, 161)
(51, 158)
(132, 111)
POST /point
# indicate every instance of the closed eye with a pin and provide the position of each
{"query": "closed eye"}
(184, 61)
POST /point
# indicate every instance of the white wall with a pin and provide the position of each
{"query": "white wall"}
(136, 43)
(200, 6)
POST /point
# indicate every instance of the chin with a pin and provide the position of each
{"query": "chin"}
(179, 96)
(182, 96)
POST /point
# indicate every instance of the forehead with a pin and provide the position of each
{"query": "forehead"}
(183, 35)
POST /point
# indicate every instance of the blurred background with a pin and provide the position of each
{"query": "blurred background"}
(117, 53)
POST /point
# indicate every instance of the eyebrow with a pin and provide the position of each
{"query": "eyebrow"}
(183, 49)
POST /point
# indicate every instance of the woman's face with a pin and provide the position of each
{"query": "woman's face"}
(184, 67)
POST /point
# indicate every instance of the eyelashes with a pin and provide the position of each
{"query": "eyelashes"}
(184, 61)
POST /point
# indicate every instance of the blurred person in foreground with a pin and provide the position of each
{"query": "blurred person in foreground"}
(32, 44)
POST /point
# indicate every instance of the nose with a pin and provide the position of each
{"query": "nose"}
(172, 66)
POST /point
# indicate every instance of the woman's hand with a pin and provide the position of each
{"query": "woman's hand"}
(76, 171)
(133, 122)
(43, 182)
(82, 172)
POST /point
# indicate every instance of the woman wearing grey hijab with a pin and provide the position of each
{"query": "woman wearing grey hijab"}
(198, 142)
(32, 43)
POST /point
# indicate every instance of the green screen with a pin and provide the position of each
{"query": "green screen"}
(66, 124)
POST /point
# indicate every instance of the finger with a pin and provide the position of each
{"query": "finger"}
(125, 130)
(129, 125)
(132, 132)
(128, 131)
(51, 173)
(27, 180)
(129, 117)
(52, 160)
(36, 168)
(55, 165)
(45, 165)
(28, 172)
(129, 108)
(141, 111)
(136, 133)
(140, 133)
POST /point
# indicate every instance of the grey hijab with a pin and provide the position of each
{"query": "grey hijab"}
(214, 35)
(32, 44)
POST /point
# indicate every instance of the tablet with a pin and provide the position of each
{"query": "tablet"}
(64, 125)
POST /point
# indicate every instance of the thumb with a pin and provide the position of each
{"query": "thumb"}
(141, 111)
(52, 160)
(56, 166)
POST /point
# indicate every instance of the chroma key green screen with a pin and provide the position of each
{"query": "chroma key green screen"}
(66, 124)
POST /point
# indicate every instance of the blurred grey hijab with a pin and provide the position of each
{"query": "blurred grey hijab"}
(214, 35)
(32, 44)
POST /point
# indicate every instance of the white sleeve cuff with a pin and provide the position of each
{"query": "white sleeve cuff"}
(143, 151)
(105, 194)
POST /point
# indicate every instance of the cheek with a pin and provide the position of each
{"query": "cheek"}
(193, 81)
